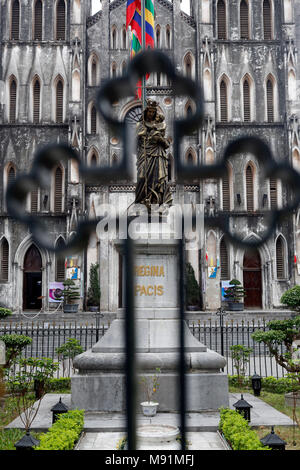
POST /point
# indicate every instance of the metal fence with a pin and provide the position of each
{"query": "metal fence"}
(47, 337)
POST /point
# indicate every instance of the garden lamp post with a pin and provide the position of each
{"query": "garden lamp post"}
(244, 408)
(256, 384)
(273, 441)
(27, 442)
(58, 409)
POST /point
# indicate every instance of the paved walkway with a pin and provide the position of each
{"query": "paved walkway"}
(108, 441)
(262, 414)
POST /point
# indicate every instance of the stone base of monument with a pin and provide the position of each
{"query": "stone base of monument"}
(99, 384)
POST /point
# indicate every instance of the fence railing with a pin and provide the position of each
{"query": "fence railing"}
(46, 338)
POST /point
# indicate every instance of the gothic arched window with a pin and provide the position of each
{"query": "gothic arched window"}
(58, 190)
(247, 100)
(12, 100)
(226, 191)
(221, 20)
(250, 188)
(280, 271)
(93, 120)
(270, 100)
(4, 267)
(273, 193)
(223, 101)
(168, 37)
(34, 200)
(38, 21)
(60, 262)
(224, 261)
(15, 20)
(36, 100)
(59, 101)
(244, 20)
(267, 19)
(61, 20)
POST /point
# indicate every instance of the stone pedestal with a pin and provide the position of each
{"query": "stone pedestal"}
(100, 382)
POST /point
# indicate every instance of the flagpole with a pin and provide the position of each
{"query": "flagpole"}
(143, 13)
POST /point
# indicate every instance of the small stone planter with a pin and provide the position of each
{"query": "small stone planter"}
(149, 408)
(71, 308)
(289, 399)
(235, 306)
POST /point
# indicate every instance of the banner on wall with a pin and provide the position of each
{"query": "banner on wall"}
(73, 273)
(224, 286)
(56, 292)
(212, 272)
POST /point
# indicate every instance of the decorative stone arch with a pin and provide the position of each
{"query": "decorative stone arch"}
(226, 80)
(280, 257)
(158, 42)
(114, 70)
(248, 115)
(292, 85)
(93, 156)
(209, 156)
(211, 247)
(296, 158)
(168, 38)
(190, 108)
(189, 65)
(124, 38)
(271, 94)
(207, 84)
(191, 156)
(266, 271)
(114, 160)
(18, 263)
(8, 171)
(114, 37)
(93, 69)
(76, 85)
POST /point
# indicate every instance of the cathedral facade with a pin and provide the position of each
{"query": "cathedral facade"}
(54, 56)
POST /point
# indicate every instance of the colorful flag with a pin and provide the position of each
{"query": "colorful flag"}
(134, 20)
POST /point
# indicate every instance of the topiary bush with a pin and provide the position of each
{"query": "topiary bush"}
(291, 298)
(5, 312)
(237, 432)
(64, 433)
(14, 344)
(59, 385)
(269, 384)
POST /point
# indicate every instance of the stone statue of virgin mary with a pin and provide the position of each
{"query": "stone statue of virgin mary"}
(152, 162)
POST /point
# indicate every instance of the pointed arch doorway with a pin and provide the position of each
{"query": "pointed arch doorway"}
(32, 280)
(252, 279)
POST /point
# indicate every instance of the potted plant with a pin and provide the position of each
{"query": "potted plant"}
(70, 294)
(234, 296)
(150, 385)
(192, 289)
(94, 292)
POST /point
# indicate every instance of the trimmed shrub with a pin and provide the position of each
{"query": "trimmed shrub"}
(64, 433)
(269, 384)
(5, 312)
(237, 432)
(59, 385)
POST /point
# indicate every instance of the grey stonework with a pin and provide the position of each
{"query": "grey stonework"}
(195, 34)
